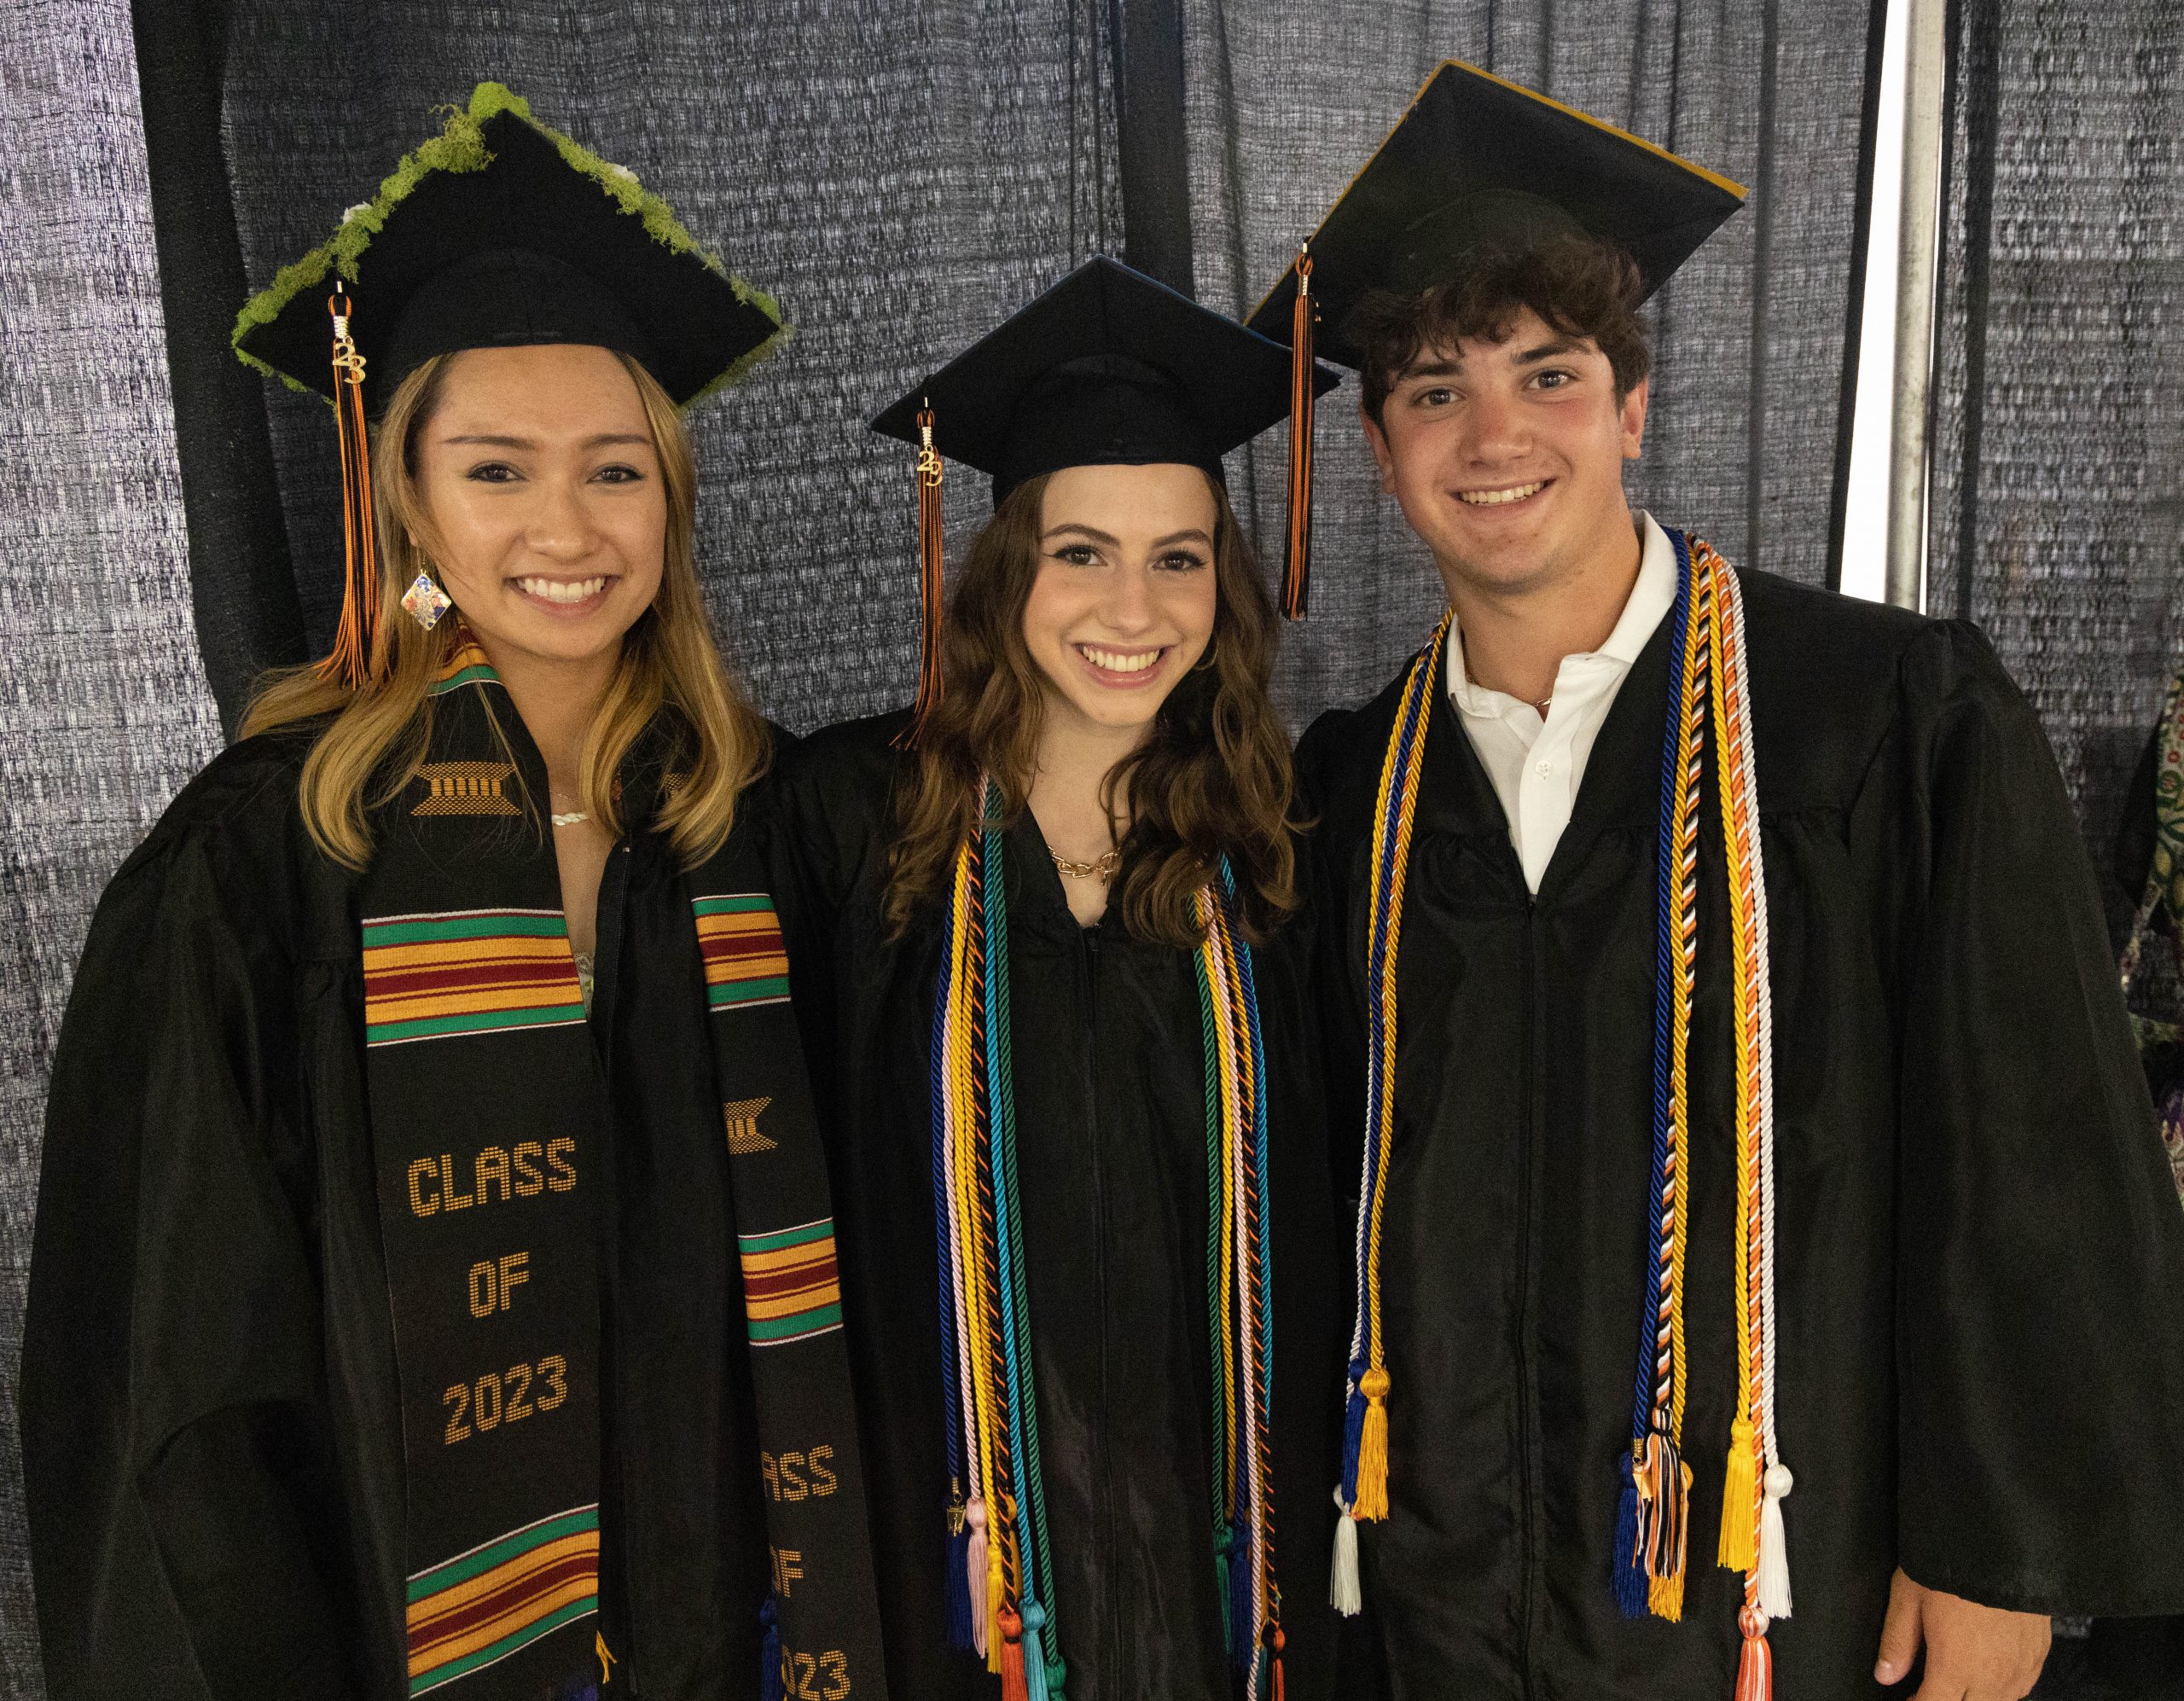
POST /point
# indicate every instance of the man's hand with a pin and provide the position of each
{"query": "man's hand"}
(1974, 1653)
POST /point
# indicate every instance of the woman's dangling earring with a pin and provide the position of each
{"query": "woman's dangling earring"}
(425, 601)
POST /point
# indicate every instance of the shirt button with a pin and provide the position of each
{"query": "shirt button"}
(1544, 769)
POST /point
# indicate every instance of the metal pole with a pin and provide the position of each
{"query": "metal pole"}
(1926, 49)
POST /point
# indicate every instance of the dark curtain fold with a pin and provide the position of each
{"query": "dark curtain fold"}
(2056, 504)
(103, 710)
(247, 616)
(1287, 100)
(1153, 142)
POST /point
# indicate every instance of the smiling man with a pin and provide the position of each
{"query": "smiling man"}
(1747, 1103)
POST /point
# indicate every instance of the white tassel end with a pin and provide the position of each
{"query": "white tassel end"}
(1774, 1545)
(1344, 1593)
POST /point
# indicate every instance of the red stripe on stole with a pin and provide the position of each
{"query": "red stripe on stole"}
(772, 1284)
(411, 983)
(733, 947)
(428, 1633)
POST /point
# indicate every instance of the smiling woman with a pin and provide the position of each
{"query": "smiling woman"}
(1019, 908)
(549, 491)
(296, 1417)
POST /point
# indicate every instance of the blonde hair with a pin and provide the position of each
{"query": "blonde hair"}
(670, 671)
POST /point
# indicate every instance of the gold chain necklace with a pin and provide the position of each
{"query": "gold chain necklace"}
(1104, 866)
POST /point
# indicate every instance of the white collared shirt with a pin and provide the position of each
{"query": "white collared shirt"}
(1536, 764)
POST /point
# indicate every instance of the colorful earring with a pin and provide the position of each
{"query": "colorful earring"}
(425, 601)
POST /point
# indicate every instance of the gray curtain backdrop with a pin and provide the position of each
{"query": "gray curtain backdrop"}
(1287, 100)
(2056, 504)
(103, 709)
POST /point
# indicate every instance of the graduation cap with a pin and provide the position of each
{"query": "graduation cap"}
(1108, 367)
(1479, 166)
(498, 233)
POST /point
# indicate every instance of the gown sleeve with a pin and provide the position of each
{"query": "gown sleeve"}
(171, 1450)
(2041, 1252)
(1326, 751)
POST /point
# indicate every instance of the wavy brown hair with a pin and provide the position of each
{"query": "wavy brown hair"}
(367, 744)
(1212, 777)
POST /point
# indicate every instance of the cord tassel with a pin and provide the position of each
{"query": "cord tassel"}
(1344, 1594)
(995, 1616)
(771, 1685)
(1774, 1545)
(1238, 1612)
(1627, 1570)
(929, 473)
(354, 658)
(1739, 1543)
(1296, 570)
(1013, 1682)
(1224, 1545)
(958, 1577)
(1373, 1448)
(1041, 1679)
(977, 1577)
(1756, 1664)
(1663, 1482)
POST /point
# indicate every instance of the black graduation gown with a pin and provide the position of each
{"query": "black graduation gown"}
(211, 1415)
(1980, 1363)
(1111, 1121)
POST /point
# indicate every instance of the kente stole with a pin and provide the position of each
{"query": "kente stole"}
(489, 1120)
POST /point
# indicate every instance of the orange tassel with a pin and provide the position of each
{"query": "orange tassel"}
(1014, 1687)
(929, 567)
(1297, 573)
(355, 657)
(1277, 1641)
(1756, 1664)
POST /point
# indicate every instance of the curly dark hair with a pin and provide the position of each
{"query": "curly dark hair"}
(1580, 286)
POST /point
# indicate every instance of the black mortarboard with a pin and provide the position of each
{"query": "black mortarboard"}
(499, 232)
(1108, 367)
(1479, 164)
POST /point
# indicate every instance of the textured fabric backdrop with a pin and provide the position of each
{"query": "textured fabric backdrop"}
(103, 710)
(1287, 100)
(2057, 502)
